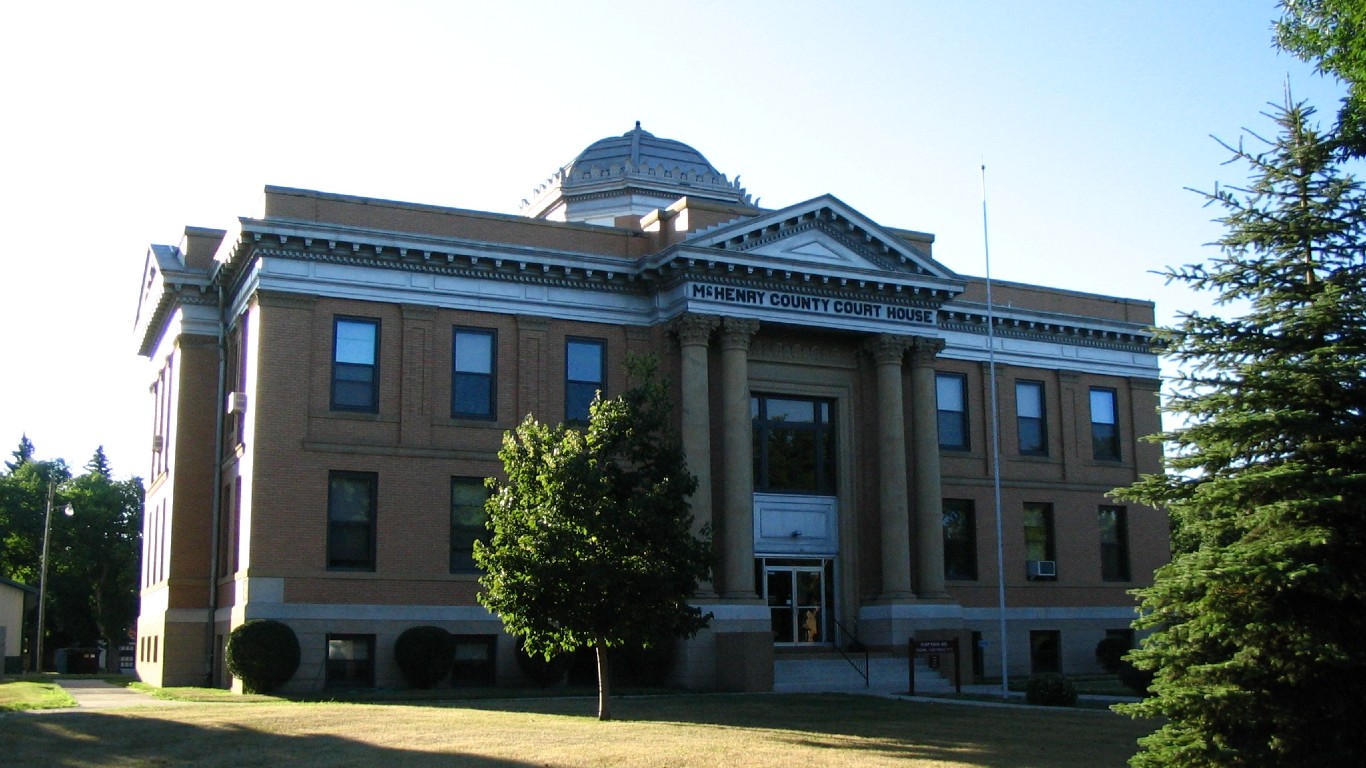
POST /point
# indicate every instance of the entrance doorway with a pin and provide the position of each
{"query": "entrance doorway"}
(797, 597)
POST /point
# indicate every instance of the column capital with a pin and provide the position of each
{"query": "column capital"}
(924, 350)
(887, 348)
(694, 329)
(736, 333)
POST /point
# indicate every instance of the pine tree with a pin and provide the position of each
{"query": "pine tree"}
(592, 544)
(22, 455)
(1259, 643)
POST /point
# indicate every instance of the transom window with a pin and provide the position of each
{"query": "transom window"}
(794, 445)
(473, 372)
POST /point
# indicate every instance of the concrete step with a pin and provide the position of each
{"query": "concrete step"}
(831, 673)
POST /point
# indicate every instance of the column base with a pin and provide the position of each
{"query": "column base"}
(734, 653)
(887, 625)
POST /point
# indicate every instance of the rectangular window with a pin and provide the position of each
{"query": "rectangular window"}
(351, 501)
(350, 661)
(960, 540)
(951, 395)
(585, 362)
(473, 370)
(1040, 563)
(1030, 426)
(1104, 425)
(794, 445)
(355, 365)
(1045, 651)
(1114, 544)
(468, 521)
(475, 660)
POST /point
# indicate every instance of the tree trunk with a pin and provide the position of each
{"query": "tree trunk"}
(604, 683)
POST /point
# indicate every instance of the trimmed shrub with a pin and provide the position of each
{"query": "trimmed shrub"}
(540, 670)
(263, 654)
(1051, 690)
(424, 655)
(1110, 651)
(1135, 679)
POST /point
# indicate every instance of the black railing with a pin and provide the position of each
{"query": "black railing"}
(847, 643)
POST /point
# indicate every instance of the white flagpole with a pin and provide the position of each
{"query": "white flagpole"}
(995, 450)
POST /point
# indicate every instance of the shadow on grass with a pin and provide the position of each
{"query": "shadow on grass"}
(144, 738)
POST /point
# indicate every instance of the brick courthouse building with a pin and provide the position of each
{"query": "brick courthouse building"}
(332, 379)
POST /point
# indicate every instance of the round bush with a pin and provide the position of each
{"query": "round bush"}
(424, 655)
(1109, 652)
(540, 670)
(1135, 679)
(647, 666)
(1051, 690)
(263, 654)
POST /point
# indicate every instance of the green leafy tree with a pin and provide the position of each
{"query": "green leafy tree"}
(592, 543)
(93, 555)
(94, 587)
(1259, 644)
(1332, 33)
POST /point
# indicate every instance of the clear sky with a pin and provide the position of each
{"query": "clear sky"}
(124, 122)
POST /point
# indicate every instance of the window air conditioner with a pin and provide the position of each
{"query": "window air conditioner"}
(237, 402)
(1043, 569)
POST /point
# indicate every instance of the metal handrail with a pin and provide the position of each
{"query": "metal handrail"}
(855, 645)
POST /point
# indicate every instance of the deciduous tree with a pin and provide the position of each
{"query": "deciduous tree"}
(592, 543)
(1259, 646)
(1332, 34)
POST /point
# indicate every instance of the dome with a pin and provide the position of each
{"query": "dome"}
(638, 148)
(630, 174)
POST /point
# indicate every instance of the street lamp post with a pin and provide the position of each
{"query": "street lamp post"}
(42, 577)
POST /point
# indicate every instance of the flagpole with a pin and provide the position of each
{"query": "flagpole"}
(995, 450)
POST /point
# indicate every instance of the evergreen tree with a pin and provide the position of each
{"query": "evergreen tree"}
(22, 455)
(592, 543)
(1259, 646)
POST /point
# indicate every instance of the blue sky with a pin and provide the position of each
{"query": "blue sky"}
(125, 122)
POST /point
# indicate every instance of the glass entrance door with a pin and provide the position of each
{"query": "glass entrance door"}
(796, 603)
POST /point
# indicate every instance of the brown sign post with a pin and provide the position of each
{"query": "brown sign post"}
(932, 650)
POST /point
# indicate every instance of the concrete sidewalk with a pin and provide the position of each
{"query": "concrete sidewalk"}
(92, 694)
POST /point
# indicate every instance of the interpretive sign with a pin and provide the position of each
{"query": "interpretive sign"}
(932, 649)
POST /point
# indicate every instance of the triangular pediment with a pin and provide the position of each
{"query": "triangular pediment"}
(821, 234)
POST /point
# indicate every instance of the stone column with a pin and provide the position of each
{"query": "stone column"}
(737, 453)
(887, 351)
(929, 506)
(694, 333)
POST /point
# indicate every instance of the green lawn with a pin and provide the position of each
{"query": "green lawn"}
(677, 730)
(32, 692)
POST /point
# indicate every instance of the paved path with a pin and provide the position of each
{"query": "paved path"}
(91, 694)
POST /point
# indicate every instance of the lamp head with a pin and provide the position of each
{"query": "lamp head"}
(69, 510)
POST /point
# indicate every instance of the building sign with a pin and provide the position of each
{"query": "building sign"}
(797, 303)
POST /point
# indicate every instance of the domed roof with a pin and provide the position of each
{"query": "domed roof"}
(633, 173)
(641, 149)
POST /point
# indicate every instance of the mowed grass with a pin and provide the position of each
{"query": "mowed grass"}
(682, 730)
(40, 693)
